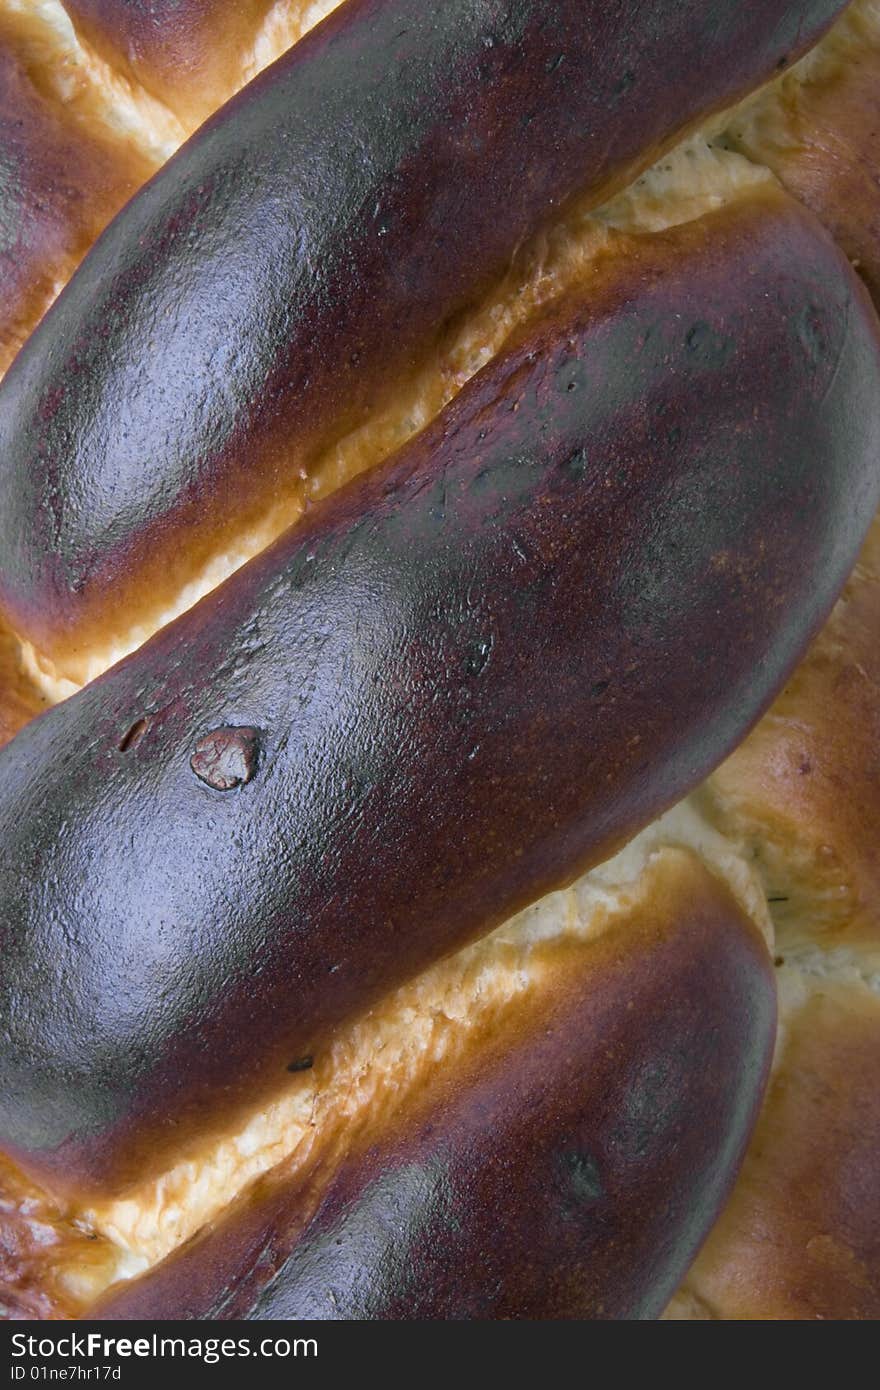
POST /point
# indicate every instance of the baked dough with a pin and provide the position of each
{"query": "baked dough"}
(788, 822)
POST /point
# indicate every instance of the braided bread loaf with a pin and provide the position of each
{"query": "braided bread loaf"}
(547, 1121)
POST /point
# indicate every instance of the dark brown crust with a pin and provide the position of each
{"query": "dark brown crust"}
(567, 1166)
(801, 1235)
(473, 674)
(830, 800)
(285, 272)
(188, 53)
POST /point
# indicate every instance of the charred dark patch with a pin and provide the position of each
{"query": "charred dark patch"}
(301, 1064)
(708, 346)
(813, 335)
(478, 656)
(582, 1176)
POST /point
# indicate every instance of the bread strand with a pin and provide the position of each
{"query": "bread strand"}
(805, 61)
(83, 654)
(659, 199)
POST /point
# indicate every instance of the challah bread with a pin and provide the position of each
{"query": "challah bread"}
(568, 1164)
(802, 797)
(799, 1239)
(191, 55)
(63, 181)
(268, 290)
(515, 618)
(63, 1254)
(818, 132)
(77, 1259)
(65, 172)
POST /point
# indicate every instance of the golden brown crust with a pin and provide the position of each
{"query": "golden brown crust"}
(19, 699)
(821, 137)
(60, 183)
(47, 1263)
(800, 1237)
(804, 788)
(191, 54)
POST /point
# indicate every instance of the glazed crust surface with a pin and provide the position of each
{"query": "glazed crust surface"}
(799, 797)
(500, 587)
(299, 256)
(569, 1167)
(800, 1236)
(821, 140)
(804, 789)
